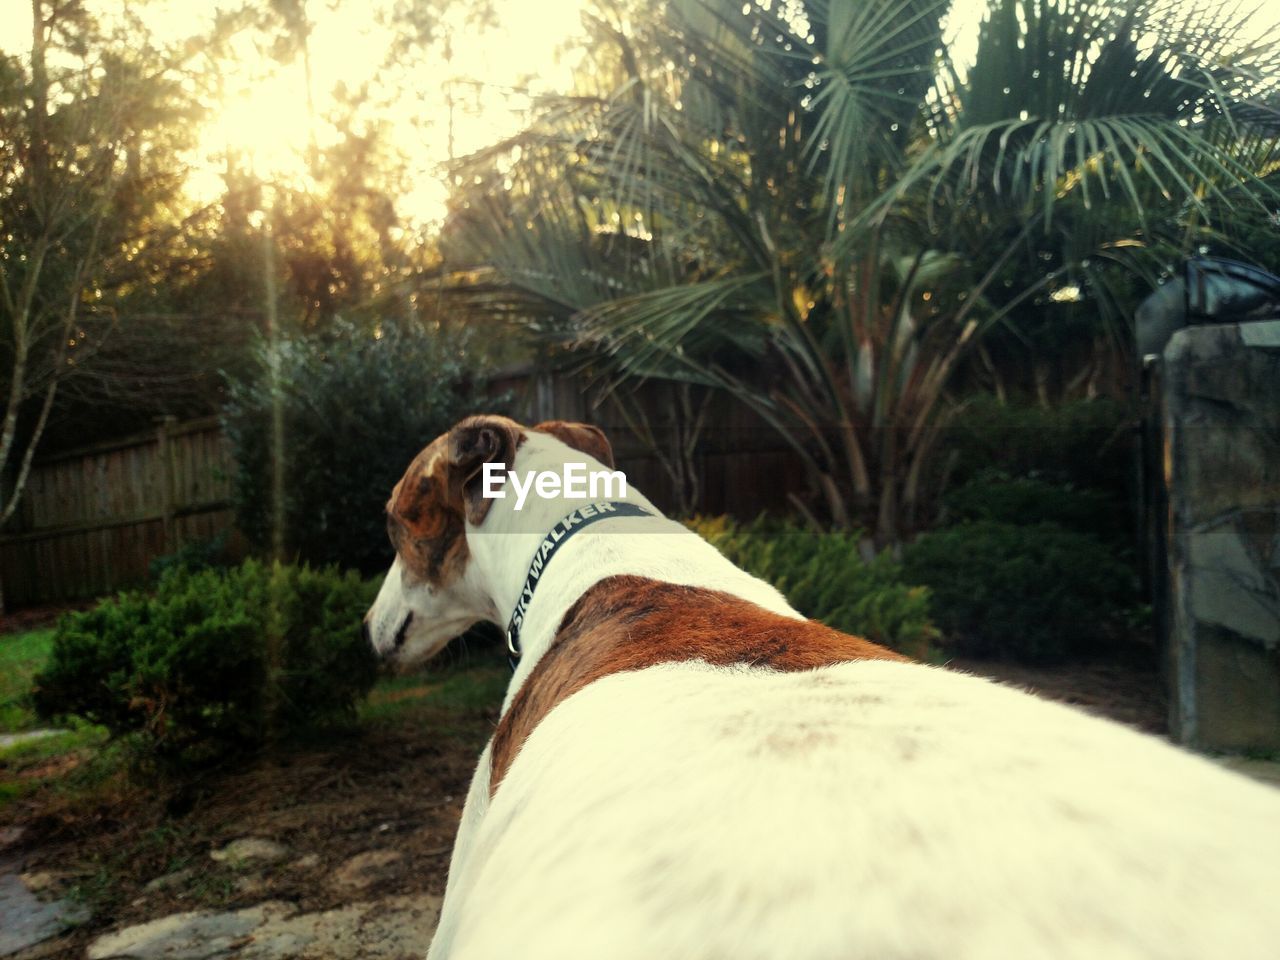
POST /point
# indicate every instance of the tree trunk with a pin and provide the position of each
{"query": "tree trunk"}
(39, 115)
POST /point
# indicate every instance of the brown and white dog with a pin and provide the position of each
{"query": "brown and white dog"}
(686, 768)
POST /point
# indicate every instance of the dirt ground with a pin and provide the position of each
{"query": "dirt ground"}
(392, 791)
(142, 851)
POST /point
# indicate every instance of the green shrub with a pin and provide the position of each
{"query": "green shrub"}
(1030, 592)
(208, 554)
(1036, 562)
(1083, 443)
(356, 410)
(1030, 500)
(214, 660)
(824, 577)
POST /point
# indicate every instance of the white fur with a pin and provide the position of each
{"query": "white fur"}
(869, 810)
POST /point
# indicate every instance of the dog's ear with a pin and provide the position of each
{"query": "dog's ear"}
(581, 436)
(474, 442)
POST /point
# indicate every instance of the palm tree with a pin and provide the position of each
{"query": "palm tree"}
(817, 209)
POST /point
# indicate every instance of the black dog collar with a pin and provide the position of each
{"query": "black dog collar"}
(584, 516)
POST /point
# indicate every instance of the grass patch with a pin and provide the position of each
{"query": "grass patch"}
(457, 693)
(70, 763)
(68, 759)
(26, 752)
(22, 655)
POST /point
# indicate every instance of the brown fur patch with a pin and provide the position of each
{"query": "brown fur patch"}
(427, 512)
(473, 442)
(629, 623)
(580, 436)
(425, 518)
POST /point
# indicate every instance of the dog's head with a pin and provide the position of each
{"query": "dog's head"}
(431, 594)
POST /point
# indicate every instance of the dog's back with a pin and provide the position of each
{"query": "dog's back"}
(870, 809)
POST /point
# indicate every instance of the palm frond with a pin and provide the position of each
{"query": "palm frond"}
(688, 321)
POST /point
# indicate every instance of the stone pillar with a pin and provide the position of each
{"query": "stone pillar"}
(1218, 400)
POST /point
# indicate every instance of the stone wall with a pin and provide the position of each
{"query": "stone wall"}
(1217, 396)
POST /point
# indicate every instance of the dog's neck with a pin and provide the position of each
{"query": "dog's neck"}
(502, 547)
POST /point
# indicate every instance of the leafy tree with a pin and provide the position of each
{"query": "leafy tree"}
(90, 131)
(816, 209)
(331, 241)
(356, 407)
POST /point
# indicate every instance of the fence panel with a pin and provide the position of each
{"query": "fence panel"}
(742, 465)
(92, 520)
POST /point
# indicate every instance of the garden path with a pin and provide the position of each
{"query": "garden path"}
(25, 919)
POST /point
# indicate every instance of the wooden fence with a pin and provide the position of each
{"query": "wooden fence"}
(92, 519)
(741, 464)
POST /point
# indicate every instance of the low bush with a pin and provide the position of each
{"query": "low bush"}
(214, 660)
(208, 554)
(996, 496)
(1034, 592)
(824, 577)
(1035, 559)
(1083, 443)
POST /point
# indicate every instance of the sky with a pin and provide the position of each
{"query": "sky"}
(263, 110)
